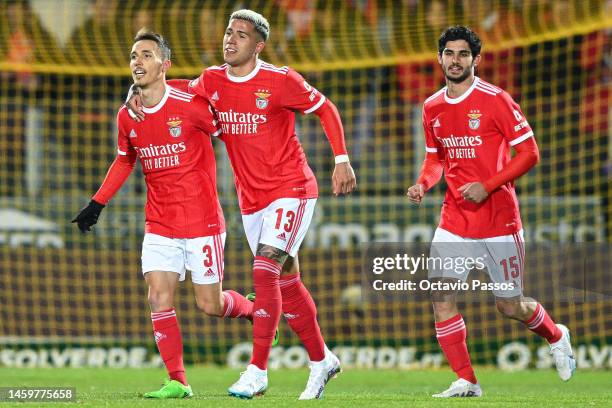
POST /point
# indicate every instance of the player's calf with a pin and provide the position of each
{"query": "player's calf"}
(517, 309)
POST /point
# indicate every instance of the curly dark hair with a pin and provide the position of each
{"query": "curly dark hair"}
(460, 33)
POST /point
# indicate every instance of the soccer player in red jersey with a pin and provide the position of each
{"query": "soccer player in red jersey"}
(255, 103)
(184, 228)
(470, 126)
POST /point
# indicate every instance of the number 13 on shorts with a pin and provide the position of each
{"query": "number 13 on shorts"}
(282, 224)
(289, 216)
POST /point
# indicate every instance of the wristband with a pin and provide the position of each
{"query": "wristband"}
(341, 158)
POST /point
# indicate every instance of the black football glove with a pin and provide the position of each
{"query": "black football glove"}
(88, 216)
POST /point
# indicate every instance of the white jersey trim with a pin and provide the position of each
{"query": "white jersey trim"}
(488, 86)
(521, 138)
(175, 92)
(180, 98)
(159, 105)
(434, 95)
(486, 91)
(246, 77)
(431, 149)
(454, 101)
(316, 106)
(270, 67)
(121, 152)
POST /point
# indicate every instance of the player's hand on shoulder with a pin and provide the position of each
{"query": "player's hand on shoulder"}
(343, 179)
(415, 193)
(474, 192)
(88, 216)
(133, 103)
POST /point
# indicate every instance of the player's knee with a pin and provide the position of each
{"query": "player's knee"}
(444, 310)
(160, 299)
(291, 266)
(508, 309)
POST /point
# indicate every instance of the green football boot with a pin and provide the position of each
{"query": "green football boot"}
(251, 297)
(171, 389)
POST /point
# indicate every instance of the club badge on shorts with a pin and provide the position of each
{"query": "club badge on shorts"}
(262, 99)
(174, 126)
(474, 121)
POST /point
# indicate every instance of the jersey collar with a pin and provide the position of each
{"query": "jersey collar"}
(467, 93)
(246, 77)
(159, 105)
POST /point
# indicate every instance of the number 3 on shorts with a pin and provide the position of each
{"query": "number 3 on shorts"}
(207, 250)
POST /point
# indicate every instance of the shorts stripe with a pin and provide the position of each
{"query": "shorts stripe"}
(521, 254)
(219, 255)
(296, 228)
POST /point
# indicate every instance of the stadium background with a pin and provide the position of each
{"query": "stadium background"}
(64, 73)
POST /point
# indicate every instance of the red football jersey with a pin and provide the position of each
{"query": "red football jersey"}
(257, 115)
(178, 162)
(473, 134)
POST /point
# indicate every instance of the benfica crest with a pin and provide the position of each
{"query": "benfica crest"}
(262, 99)
(174, 126)
(474, 120)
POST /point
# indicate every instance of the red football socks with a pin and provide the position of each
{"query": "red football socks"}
(301, 314)
(451, 335)
(541, 324)
(236, 305)
(267, 308)
(169, 343)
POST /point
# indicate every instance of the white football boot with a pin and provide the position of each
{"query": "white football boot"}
(563, 355)
(320, 373)
(461, 388)
(252, 382)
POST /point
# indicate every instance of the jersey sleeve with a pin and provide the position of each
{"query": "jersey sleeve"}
(180, 84)
(124, 146)
(431, 145)
(204, 117)
(299, 95)
(120, 169)
(510, 121)
(196, 86)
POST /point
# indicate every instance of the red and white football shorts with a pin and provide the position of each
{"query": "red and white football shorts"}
(282, 224)
(503, 258)
(202, 256)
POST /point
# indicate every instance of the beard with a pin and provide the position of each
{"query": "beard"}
(466, 73)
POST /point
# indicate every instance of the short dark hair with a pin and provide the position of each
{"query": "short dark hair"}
(455, 33)
(158, 39)
(262, 27)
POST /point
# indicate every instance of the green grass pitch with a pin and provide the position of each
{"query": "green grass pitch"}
(353, 388)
